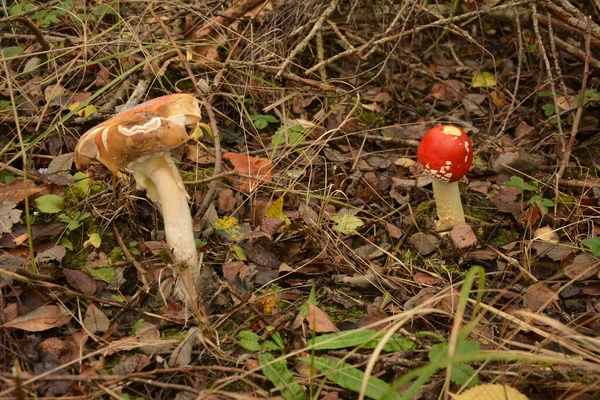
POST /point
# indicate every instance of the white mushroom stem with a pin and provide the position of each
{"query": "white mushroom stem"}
(160, 177)
(449, 207)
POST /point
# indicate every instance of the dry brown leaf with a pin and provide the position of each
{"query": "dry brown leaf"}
(95, 320)
(539, 296)
(8, 216)
(81, 281)
(426, 279)
(260, 169)
(41, 319)
(15, 192)
(318, 321)
(226, 201)
(424, 243)
(463, 237)
(233, 270)
(582, 267)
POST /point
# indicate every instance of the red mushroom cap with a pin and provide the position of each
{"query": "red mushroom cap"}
(446, 153)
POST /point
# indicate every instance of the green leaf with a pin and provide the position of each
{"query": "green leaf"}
(519, 183)
(350, 378)
(483, 79)
(136, 326)
(50, 203)
(239, 252)
(106, 274)
(365, 338)
(64, 241)
(249, 340)
(593, 244)
(461, 373)
(12, 51)
(281, 377)
(94, 239)
(549, 109)
(6, 177)
(278, 341)
(346, 223)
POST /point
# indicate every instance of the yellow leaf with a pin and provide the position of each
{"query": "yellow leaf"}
(85, 111)
(275, 210)
(483, 79)
(491, 392)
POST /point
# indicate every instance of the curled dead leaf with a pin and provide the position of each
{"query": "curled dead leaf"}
(41, 319)
(259, 169)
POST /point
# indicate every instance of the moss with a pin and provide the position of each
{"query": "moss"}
(116, 255)
(198, 174)
(490, 234)
(425, 215)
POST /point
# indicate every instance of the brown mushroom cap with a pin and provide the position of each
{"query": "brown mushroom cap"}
(154, 126)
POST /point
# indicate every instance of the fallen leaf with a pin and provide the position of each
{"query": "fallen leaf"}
(260, 169)
(505, 200)
(55, 253)
(15, 192)
(426, 279)
(463, 237)
(483, 79)
(182, 355)
(234, 270)
(424, 243)
(41, 319)
(95, 320)
(81, 281)
(226, 201)
(346, 223)
(8, 216)
(546, 234)
(582, 267)
(491, 392)
(318, 321)
(539, 296)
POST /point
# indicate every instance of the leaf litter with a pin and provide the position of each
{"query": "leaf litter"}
(320, 222)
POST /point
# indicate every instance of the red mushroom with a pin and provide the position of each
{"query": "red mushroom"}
(446, 153)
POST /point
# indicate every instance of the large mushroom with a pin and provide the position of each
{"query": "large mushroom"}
(139, 140)
(446, 153)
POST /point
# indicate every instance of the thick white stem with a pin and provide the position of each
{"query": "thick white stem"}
(160, 177)
(449, 207)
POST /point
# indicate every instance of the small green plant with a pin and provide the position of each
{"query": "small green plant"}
(292, 135)
(519, 183)
(54, 204)
(593, 244)
(261, 121)
(274, 369)
(7, 178)
(565, 102)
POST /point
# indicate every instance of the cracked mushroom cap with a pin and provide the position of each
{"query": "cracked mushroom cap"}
(154, 126)
(446, 153)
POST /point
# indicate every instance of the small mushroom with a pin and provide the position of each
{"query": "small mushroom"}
(139, 140)
(446, 153)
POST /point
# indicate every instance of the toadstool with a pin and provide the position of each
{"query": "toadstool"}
(139, 140)
(446, 153)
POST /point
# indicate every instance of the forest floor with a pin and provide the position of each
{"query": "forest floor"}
(323, 275)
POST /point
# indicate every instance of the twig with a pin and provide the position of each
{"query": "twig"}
(308, 38)
(578, 183)
(324, 86)
(579, 112)
(36, 31)
(141, 270)
(418, 29)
